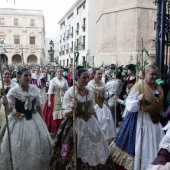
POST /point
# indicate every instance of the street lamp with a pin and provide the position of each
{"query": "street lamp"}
(51, 51)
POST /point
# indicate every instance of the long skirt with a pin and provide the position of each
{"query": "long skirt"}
(62, 154)
(106, 122)
(30, 144)
(152, 136)
(123, 148)
(52, 124)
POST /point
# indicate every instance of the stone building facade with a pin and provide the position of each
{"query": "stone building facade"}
(22, 35)
(121, 26)
(78, 33)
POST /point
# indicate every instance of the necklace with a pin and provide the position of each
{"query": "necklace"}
(81, 89)
(24, 88)
(7, 83)
(84, 106)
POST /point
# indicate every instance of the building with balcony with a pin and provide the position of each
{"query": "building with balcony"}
(22, 34)
(78, 33)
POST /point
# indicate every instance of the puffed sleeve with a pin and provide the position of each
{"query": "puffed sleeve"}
(51, 87)
(66, 102)
(132, 104)
(11, 98)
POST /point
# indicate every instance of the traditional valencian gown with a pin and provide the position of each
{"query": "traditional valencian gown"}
(92, 147)
(41, 84)
(2, 113)
(30, 139)
(103, 113)
(126, 147)
(54, 115)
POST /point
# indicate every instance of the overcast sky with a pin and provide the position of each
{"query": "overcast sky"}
(53, 10)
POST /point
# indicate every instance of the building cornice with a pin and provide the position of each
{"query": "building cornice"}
(26, 12)
(125, 9)
(78, 2)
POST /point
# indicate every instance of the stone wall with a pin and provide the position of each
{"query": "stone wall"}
(121, 25)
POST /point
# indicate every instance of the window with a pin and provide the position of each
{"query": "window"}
(16, 40)
(77, 29)
(84, 4)
(2, 21)
(77, 44)
(15, 21)
(72, 29)
(84, 24)
(155, 25)
(84, 41)
(84, 59)
(32, 22)
(84, 21)
(32, 40)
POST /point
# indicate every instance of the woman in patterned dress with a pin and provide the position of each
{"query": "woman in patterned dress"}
(53, 110)
(92, 147)
(126, 147)
(30, 140)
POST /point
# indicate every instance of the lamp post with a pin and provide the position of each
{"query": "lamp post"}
(51, 51)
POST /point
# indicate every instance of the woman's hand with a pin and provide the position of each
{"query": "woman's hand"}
(69, 113)
(73, 104)
(4, 100)
(141, 98)
(49, 103)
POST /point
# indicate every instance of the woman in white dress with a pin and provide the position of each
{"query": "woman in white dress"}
(92, 147)
(103, 113)
(53, 110)
(146, 97)
(8, 83)
(30, 139)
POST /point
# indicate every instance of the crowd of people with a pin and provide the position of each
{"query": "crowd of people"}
(40, 101)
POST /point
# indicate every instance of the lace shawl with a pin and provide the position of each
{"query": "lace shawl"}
(27, 97)
(97, 88)
(57, 85)
(38, 79)
(92, 146)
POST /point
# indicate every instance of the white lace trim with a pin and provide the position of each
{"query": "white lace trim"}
(38, 79)
(97, 88)
(79, 98)
(57, 85)
(58, 114)
(26, 97)
(91, 143)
